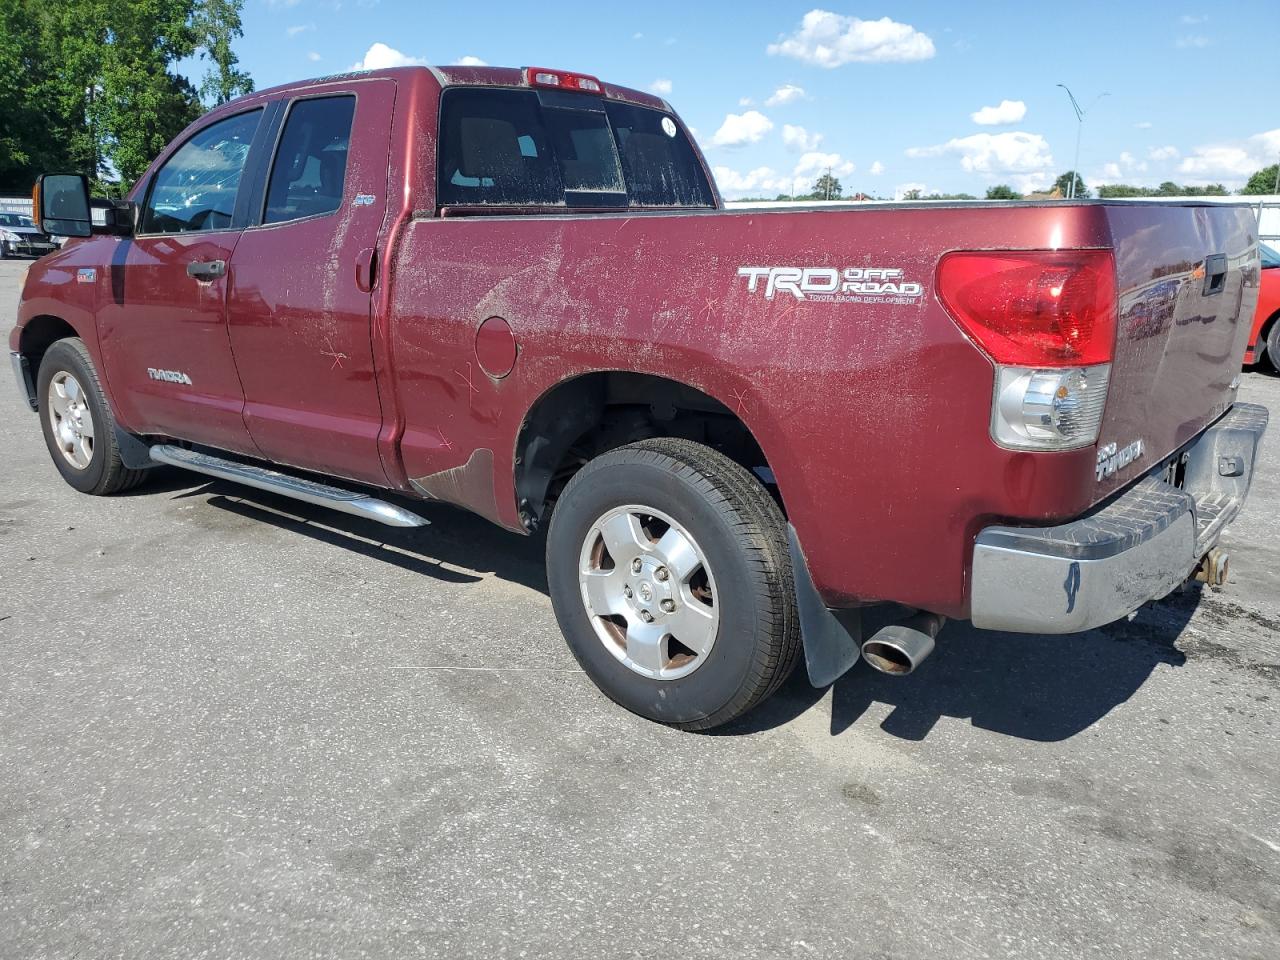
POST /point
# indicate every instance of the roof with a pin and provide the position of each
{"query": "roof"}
(456, 76)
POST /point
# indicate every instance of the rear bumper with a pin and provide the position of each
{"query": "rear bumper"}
(1135, 548)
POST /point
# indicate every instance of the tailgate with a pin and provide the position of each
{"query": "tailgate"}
(1188, 284)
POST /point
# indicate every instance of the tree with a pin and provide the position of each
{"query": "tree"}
(91, 86)
(826, 187)
(912, 194)
(217, 23)
(1063, 183)
(1002, 191)
(1264, 181)
(1109, 190)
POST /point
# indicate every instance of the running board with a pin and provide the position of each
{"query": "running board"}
(335, 498)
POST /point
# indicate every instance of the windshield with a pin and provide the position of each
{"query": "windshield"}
(1269, 255)
(507, 147)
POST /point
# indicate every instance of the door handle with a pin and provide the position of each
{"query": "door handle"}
(1215, 273)
(207, 270)
(366, 269)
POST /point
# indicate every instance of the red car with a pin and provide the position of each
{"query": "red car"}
(1264, 338)
(750, 436)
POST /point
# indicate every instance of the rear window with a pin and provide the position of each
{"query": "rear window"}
(549, 148)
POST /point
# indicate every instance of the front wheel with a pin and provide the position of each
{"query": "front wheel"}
(671, 581)
(1273, 345)
(79, 429)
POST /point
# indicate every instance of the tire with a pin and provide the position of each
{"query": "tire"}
(1273, 344)
(672, 495)
(84, 451)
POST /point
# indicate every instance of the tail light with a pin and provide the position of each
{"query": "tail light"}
(562, 80)
(1048, 320)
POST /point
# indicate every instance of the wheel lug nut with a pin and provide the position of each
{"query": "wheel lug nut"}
(636, 565)
(626, 592)
(646, 616)
(669, 606)
(661, 573)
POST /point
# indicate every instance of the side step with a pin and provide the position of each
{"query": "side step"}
(335, 498)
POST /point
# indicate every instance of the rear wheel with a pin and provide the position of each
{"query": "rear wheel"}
(1273, 344)
(79, 429)
(671, 580)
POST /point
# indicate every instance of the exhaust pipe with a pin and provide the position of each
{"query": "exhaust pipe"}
(901, 647)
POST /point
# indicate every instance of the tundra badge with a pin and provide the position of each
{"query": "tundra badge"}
(1111, 459)
(168, 376)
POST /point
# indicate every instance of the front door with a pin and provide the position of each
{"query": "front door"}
(163, 325)
(299, 305)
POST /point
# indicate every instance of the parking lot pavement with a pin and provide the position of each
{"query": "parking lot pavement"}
(234, 726)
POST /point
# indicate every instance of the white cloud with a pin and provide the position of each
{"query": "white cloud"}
(379, 56)
(742, 128)
(1013, 152)
(787, 93)
(637, 36)
(827, 39)
(1235, 160)
(1009, 111)
(1129, 162)
(815, 163)
(1026, 182)
(799, 139)
(1143, 124)
(298, 28)
(1163, 153)
(313, 56)
(746, 102)
(876, 169)
(661, 86)
(760, 180)
(1192, 41)
(470, 61)
(1111, 171)
(1193, 18)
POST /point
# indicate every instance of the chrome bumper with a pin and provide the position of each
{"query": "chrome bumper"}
(22, 373)
(1135, 548)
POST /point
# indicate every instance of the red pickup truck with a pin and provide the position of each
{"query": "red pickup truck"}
(750, 436)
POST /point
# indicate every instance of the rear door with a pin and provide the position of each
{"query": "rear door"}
(299, 304)
(163, 324)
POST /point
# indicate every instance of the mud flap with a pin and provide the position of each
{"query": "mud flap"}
(831, 644)
(135, 453)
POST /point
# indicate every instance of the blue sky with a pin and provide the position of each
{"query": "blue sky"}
(888, 95)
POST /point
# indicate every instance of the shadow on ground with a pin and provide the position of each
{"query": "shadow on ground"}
(454, 548)
(1041, 688)
(1044, 688)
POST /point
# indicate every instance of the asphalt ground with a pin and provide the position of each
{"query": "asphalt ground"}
(235, 726)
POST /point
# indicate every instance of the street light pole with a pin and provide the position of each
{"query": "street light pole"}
(1080, 115)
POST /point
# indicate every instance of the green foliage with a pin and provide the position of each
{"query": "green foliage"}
(1166, 189)
(1002, 191)
(826, 187)
(1264, 181)
(89, 86)
(1063, 183)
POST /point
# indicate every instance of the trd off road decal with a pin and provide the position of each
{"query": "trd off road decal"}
(829, 285)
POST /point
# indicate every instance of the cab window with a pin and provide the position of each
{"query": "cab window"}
(196, 188)
(310, 166)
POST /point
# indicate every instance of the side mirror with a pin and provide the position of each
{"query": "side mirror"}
(60, 203)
